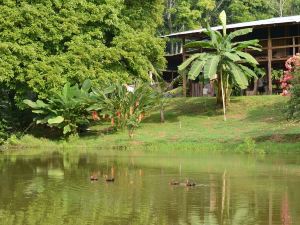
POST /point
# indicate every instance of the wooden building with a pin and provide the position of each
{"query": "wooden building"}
(279, 38)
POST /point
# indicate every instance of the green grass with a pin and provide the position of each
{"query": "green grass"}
(197, 124)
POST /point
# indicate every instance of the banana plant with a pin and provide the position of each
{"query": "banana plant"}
(65, 110)
(224, 61)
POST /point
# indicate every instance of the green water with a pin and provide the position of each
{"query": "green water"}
(54, 188)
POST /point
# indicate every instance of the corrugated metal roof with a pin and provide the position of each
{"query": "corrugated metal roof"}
(273, 21)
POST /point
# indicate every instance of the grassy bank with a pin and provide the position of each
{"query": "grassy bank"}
(196, 124)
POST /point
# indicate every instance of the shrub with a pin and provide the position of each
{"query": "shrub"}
(65, 110)
(291, 87)
(126, 108)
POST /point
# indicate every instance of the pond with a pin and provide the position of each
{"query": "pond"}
(55, 188)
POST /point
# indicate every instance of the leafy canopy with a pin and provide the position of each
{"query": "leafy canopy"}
(46, 43)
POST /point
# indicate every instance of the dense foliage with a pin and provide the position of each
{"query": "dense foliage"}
(44, 44)
(291, 85)
(65, 110)
(182, 15)
(73, 108)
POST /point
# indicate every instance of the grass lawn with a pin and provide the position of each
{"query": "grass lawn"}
(197, 124)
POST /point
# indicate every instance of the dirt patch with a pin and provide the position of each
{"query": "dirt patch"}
(236, 116)
(174, 138)
(137, 143)
(280, 138)
(161, 134)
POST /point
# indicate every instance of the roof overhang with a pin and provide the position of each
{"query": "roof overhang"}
(253, 24)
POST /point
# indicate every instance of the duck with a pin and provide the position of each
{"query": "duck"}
(93, 177)
(174, 182)
(109, 179)
(188, 183)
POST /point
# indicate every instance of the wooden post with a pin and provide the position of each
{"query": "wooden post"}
(294, 47)
(270, 56)
(184, 78)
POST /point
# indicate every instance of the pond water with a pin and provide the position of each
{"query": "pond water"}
(55, 188)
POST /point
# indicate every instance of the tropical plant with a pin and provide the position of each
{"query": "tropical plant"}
(225, 62)
(65, 110)
(124, 105)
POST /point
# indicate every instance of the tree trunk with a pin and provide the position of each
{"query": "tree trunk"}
(223, 96)
(162, 114)
(255, 87)
(130, 133)
(219, 93)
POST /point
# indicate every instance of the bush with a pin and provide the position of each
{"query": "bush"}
(70, 109)
(3, 131)
(65, 110)
(126, 108)
(291, 86)
(249, 147)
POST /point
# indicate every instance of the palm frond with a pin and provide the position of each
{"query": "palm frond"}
(211, 66)
(188, 61)
(249, 58)
(196, 68)
(238, 33)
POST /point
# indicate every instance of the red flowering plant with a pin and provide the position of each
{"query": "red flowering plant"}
(292, 66)
(291, 86)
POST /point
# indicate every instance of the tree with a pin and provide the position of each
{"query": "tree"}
(45, 44)
(246, 10)
(281, 7)
(225, 62)
(183, 15)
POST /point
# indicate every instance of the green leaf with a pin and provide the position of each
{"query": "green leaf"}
(238, 75)
(43, 121)
(246, 44)
(188, 61)
(223, 19)
(238, 33)
(196, 69)
(211, 67)
(38, 111)
(31, 104)
(56, 120)
(41, 104)
(66, 91)
(248, 71)
(213, 36)
(231, 56)
(67, 129)
(249, 58)
(86, 86)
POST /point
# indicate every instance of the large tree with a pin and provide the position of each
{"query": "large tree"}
(46, 43)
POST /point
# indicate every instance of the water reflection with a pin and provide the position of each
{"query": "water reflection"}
(56, 189)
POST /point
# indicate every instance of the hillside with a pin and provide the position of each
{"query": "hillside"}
(196, 124)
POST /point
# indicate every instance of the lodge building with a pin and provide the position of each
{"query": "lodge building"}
(279, 38)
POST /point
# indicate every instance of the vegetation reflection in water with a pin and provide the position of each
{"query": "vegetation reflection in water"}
(54, 188)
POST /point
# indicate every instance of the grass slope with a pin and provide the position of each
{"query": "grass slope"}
(197, 124)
